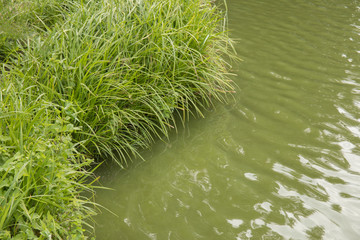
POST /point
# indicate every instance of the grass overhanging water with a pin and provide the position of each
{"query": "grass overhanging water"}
(95, 80)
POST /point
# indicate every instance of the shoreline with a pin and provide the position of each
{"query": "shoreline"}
(91, 83)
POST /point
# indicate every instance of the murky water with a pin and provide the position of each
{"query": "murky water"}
(280, 162)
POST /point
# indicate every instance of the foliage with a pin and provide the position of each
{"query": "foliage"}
(127, 65)
(20, 20)
(41, 174)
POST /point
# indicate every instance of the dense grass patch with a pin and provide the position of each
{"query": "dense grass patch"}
(95, 79)
(21, 20)
(127, 65)
(41, 173)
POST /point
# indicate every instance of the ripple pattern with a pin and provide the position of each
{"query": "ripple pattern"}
(282, 161)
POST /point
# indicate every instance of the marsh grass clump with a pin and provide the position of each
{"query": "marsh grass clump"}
(95, 80)
(128, 65)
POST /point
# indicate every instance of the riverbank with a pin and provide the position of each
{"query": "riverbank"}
(89, 81)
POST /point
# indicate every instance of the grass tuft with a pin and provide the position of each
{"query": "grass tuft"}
(127, 66)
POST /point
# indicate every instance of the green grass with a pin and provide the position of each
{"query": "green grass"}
(21, 20)
(41, 173)
(95, 80)
(127, 67)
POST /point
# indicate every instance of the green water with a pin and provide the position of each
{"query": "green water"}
(281, 161)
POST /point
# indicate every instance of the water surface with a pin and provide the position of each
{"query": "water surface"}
(281, 161)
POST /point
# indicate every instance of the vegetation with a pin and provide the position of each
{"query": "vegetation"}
(94, 80)
(41, 173)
